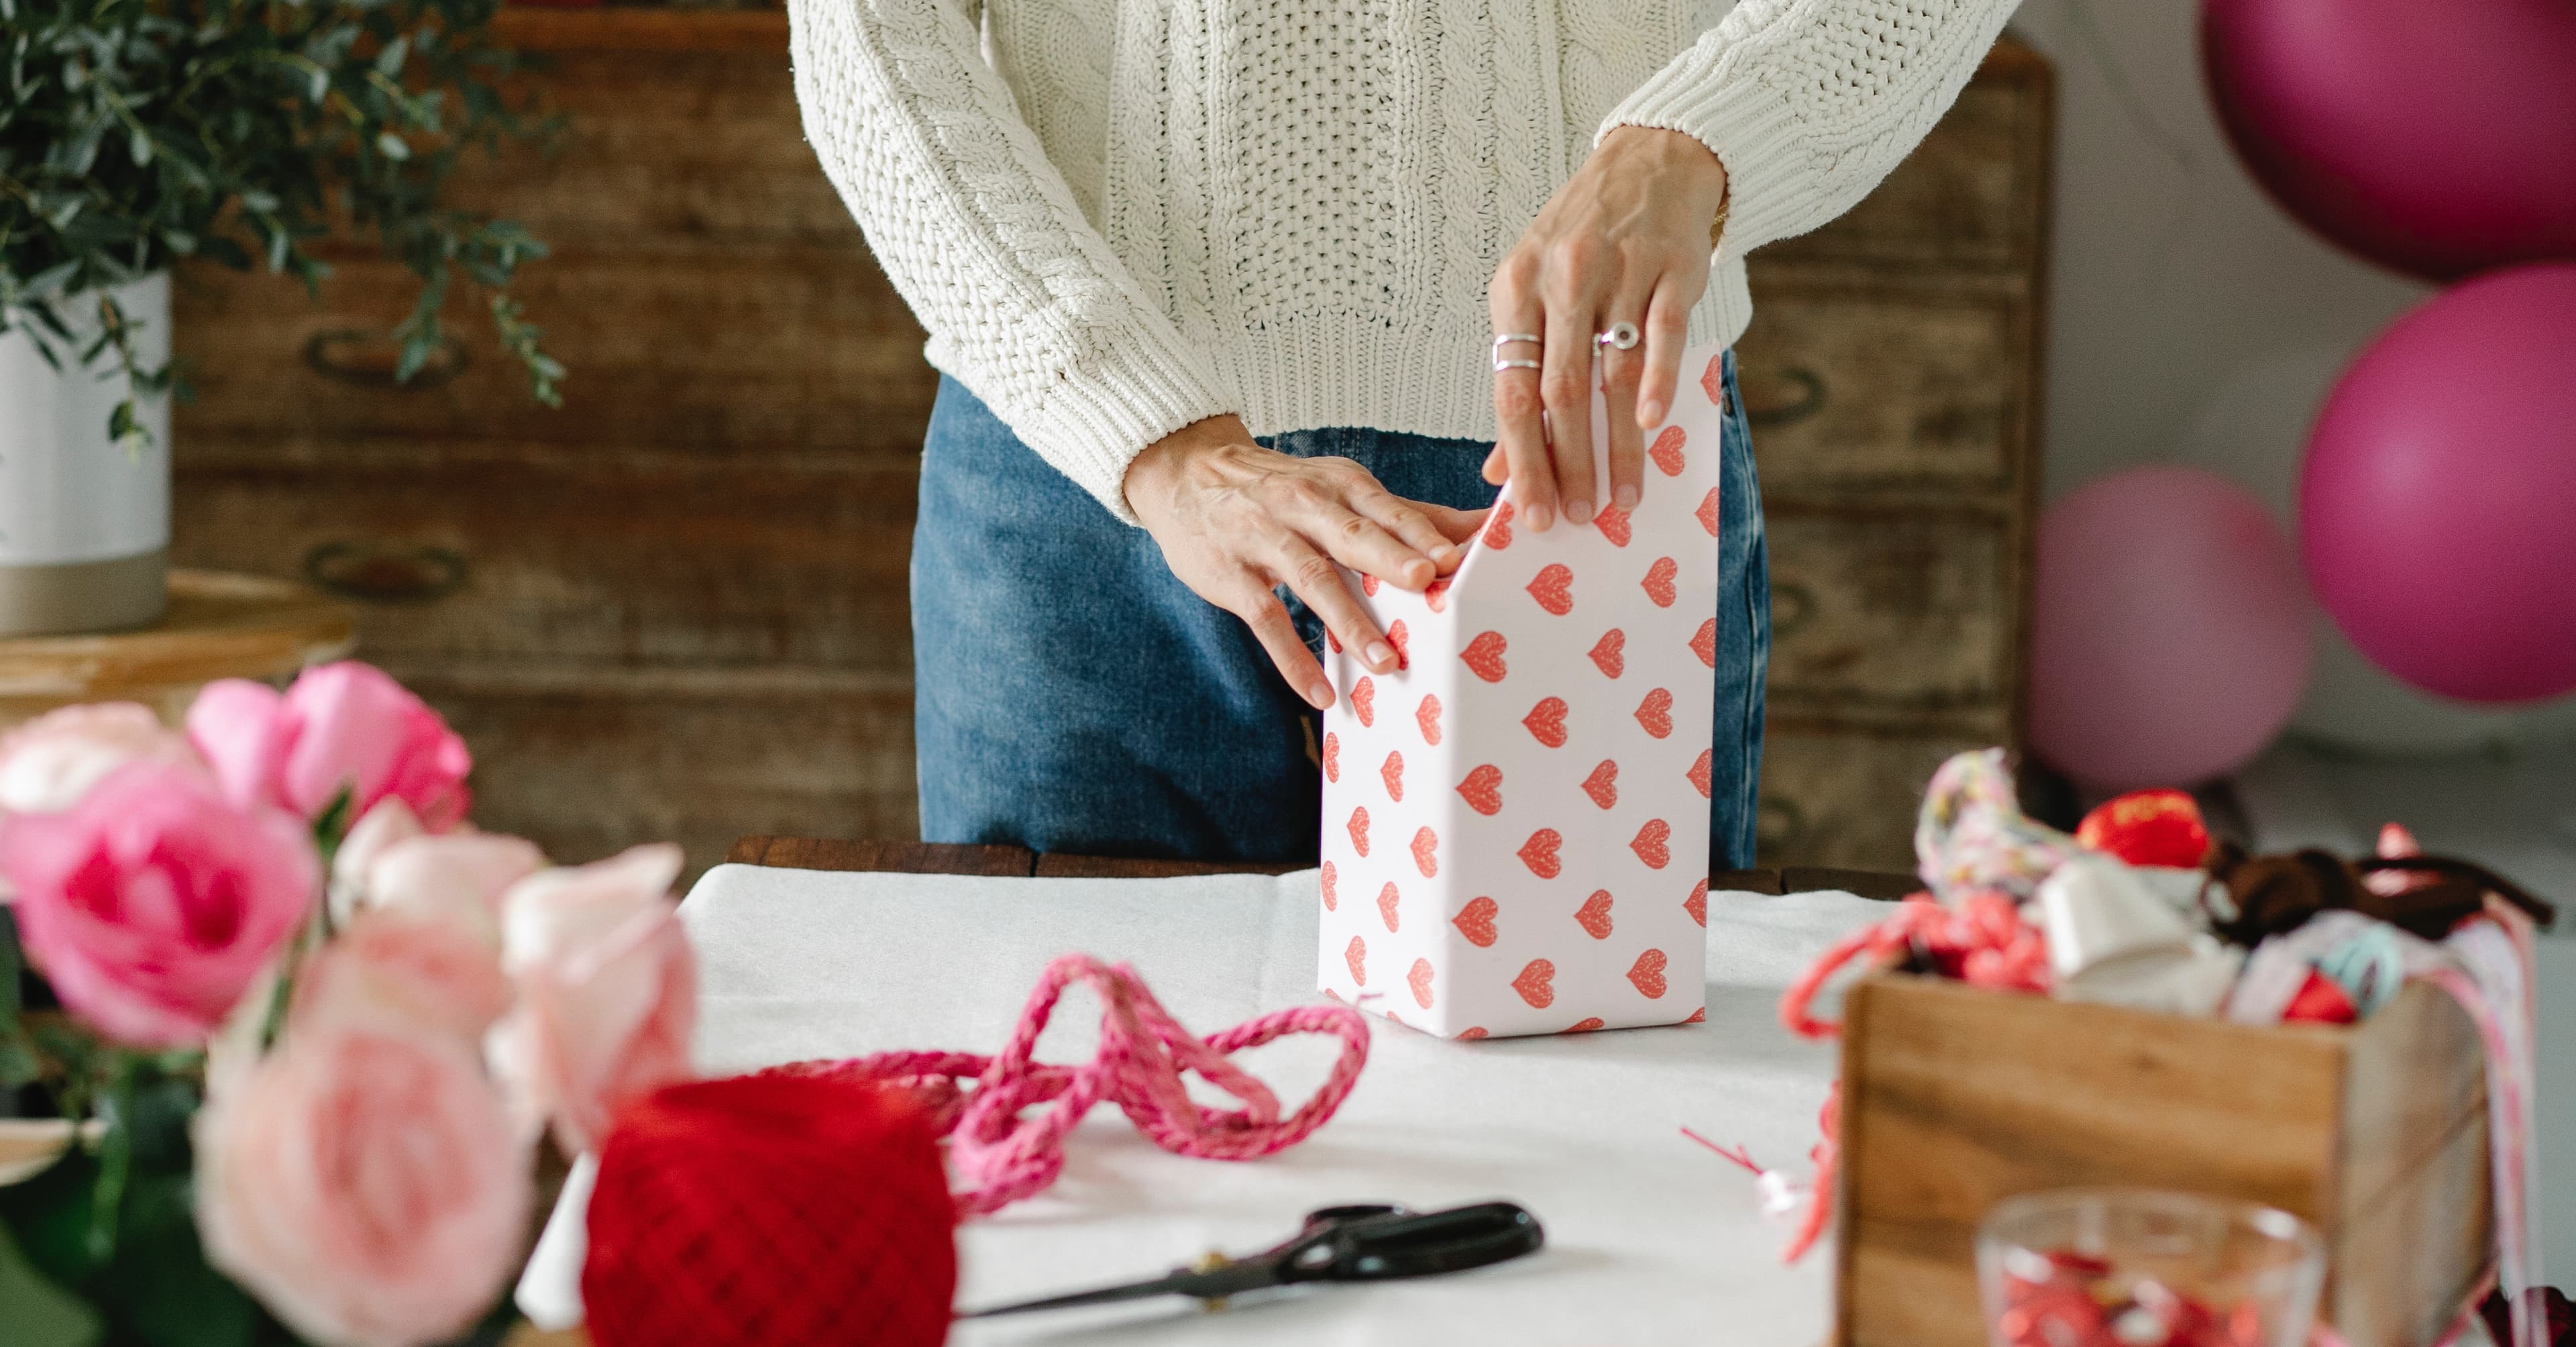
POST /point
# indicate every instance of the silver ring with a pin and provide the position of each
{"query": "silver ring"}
(1508, 338)
(1621, 336)
(1501, 365)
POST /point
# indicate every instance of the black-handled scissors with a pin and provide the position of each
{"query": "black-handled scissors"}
(1369, 1242)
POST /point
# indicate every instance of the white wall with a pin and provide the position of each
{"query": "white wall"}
(2194, 322)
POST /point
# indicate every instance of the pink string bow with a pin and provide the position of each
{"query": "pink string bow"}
(996, 1156)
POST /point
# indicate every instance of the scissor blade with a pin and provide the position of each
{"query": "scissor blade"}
(1174, 1284)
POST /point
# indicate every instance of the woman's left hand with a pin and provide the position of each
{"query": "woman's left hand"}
(1625, 240)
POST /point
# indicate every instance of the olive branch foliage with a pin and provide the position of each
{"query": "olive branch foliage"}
(135, 133)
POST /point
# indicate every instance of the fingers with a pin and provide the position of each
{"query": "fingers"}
(1262, 611)
(1411, 524)
(1667, 324)
(1521, 448)
(1310, 576)
(1620, 374)
(1456, 525)
(1566, 386)
(1497, 467)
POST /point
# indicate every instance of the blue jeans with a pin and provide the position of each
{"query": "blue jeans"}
(1071, 695)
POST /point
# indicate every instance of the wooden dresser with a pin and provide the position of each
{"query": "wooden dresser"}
(676, 608)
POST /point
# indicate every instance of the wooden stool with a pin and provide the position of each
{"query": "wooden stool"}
(219, 625)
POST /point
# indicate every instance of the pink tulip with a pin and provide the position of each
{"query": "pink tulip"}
(341, 726)
(48, 763)
(365, 1180)
(607, 989)
(152, 903)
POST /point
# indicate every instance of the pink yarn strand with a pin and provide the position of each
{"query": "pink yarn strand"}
(999, 1152)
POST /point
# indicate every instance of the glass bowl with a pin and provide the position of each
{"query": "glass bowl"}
(2137, 1267)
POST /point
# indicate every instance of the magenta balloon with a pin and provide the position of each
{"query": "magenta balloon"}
(2437, 507)
(2169, 631)
(2437, 137)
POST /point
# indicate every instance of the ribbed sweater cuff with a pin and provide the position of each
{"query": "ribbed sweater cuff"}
(1103, 410)
(1771, 182)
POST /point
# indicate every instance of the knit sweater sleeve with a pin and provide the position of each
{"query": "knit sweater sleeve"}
(1809, 103)
(1024, 301)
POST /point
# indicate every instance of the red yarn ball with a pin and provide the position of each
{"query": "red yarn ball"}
(770, 1209)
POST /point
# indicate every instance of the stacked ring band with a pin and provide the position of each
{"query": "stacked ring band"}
(1509, 338)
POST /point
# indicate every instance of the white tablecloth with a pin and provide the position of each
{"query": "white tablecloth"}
(1651, 1240)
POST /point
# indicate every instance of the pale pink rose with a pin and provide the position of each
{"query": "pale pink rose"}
(153, 903)
(366, 1181)
(607, 989)
(459, 877)
(48, 763)
(422, 969)
(340, 726)
(380, 827)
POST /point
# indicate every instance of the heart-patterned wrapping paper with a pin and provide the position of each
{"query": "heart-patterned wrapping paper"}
(1516, 820)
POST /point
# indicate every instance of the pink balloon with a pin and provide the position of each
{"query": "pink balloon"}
(2169, 633)
(2437, 508)
(2437, 137)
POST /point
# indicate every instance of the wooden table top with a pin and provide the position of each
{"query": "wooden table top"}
(219, 625)
(943, 858)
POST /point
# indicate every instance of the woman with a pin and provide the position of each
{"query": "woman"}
(1214, 285)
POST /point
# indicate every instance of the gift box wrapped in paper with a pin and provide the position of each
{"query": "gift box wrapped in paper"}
(1516, 819)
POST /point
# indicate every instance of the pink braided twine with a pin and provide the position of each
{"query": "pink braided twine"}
(996, 1156)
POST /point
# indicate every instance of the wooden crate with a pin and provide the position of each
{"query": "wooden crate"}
(1955, 1098)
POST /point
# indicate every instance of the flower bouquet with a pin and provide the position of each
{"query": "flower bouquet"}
(296, 1026)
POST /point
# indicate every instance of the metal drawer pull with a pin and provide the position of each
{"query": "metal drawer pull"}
(381, 573)
(1784, 396)
(368, 359)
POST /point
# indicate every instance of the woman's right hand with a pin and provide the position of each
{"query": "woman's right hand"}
(1235, 519)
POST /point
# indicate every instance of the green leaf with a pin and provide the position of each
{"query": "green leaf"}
(40, 1313)
(392, 147)
(389, 62)
(138, 143)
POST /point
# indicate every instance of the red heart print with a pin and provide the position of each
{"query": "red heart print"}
(1704, 644)
(1498, 527)
(1554, 588)
(1603, 784)
(1331, 640)
(1707, 512)
(1659, 582)
(1359, 830)
(1419, 978)
(1655, 713)
(1484, 656)
(1386, 900)
(1402, 641)
(1590, 1024)
(1697, 904)
(1533, 982)
(1667, 450)
(1546, 721)
(1331, 881)
(1356, 955)
(1647, 974)
(1476, 922)
(1653, 844)
(1332, 756)
(1392, 773)
(1483, 790)
(1427, 715)
(1368, 584)
(1364, 700)
(1436, 594)
(1473, 1031)
(1426, 852)
(1610, 653)
(1594, 915)
(1539, 853)
(1613, 525)
(1712, 380)
(1699, 1016)
(1699, 773)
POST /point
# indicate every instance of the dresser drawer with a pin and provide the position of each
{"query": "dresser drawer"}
(1847, 797)
(1893, 609)
(484, 553)
(1973, 194)
(1857, 386)
(723, 353)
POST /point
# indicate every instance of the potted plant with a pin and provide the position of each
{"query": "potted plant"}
(136, 133)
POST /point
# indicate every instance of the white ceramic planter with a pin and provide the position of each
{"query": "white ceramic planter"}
(84, 523)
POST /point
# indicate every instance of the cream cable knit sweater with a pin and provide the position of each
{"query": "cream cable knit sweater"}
(1116, 217)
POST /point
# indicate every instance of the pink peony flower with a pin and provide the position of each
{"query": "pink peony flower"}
(345, 725)
(607, 989)
(48, 763)
(366, 1180)
(152, 903)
